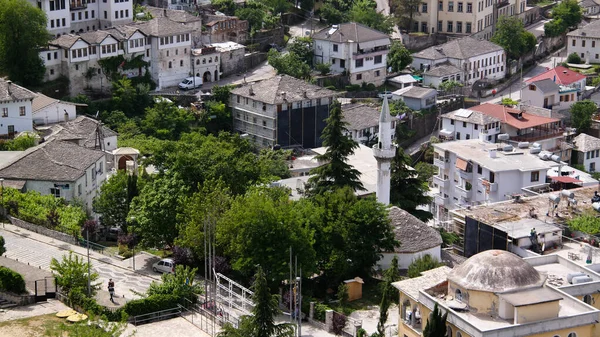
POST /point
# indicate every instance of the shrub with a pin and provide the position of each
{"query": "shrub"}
(151, 304)
(2, 248)
(323, 68)
(11, 281)
(89, 305)
(574, 58)
(320, 311)
(183, 256)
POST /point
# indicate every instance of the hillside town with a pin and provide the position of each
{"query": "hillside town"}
(287, 168)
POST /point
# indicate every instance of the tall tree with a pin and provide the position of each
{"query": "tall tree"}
(406, 10)
(22, 34)
(421, 264)
(569, 12)
(130, 99)
(113, 203)
(289, 63)
(581, 114)
(165, 120)
(72, 274)
(303, 47)
(365, 12)
(408, 188)
(389, 294)
(512, 36)
(399, 57)
(336, 172)
(436, 324)
(225, 6)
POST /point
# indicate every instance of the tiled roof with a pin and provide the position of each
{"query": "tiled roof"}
(351, 31)
(509, 116)
(11, 92)
(461, 49)
(476, 117)
(81, 128)
(546, 85)
(360, 116)
(414, 235)
(416, 92)
(270, 91)
(173, 14)
(51, 161)
(560, 75)
(65, 41)
(94, 37)
(162, 26)
(585, 143)
(592, 29)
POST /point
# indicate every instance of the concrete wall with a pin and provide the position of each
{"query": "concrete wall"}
(404, 260)
(535, 313)
(19, 300)
(42, 230)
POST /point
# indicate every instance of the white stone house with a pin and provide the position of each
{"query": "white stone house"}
(48, 110)
(363, 122)
(585, 41)
(587, 152)
(416, 98)
(15, 109)
(417, 240)
(464, 60)
(359, 51)
(61, 169)
(590, 7)
(232, 57)
(206, 63)
(464, 124)
(549, 95)
(86, 132)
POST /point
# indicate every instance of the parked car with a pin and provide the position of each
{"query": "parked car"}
(191, 83)
(113, 234)
(164, 266)
(387, 94)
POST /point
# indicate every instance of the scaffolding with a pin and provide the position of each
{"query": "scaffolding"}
(233, 294)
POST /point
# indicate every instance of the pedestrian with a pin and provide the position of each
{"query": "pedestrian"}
(494, 92)
(111, 289)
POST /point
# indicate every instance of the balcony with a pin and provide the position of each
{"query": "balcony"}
(444, 184)
(493, 187)
(441, 162)
(467, 175)
(464, 193)
(77, 5)
(441, 200)
(375, 51)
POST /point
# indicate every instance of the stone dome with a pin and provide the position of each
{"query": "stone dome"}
(495, 271)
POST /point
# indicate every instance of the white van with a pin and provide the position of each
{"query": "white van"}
(191, 83)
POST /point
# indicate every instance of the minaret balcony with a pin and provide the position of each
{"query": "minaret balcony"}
(384, 153)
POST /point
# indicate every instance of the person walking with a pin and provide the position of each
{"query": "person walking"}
(111, 290)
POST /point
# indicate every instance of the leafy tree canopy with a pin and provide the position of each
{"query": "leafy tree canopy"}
(112, 203)
(587, 223)
(289, 63)
(303, 47)
(224, 6)
(512, 36)
(427, 262)
(569, 12)
(399, 57)
(581, 114)
(406, 10)
(71, 273)
(408, 188)
(365, 12)
(166, 121)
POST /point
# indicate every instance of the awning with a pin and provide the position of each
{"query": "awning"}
(566, 179)
(418, 78)
(461, 164)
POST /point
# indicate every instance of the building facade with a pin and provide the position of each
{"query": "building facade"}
(571, 86)
(48, 110)
(363, 123)
(232, 57)
(221, 29)
(587, 152)
(354, 49)
(15, 106)
(468, 124)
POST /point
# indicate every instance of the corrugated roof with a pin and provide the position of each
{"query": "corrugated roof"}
(509, 116)
(351, 31)
(270, 90)
(584, 143)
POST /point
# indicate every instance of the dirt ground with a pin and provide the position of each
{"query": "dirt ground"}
(28, 327)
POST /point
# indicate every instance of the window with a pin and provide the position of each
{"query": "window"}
(464, 124)
(449, 27)
(335, 47)
(170, 65)
(492, 177)
(460, 7)
(458, 29)
(458, 296)
(479, 169)
(587, 154)
(359, 63)
(86, 15)
(105, 14)
(469, 7)
(424, 8)
(358, 77)
(587, 299)
(450, 6)
(573, 43)
(377, 73)
(378, 59)
(55, 192)
(440, 5)
(476, 126)
(117, 14)
(79, 189)
(452, 122)
(440, 26)
(572, 334)
(4, 112)
(181, 63)
(535, 176)
(21, 111)
(458, 136)
(583, 43)
(51, 71)
(93, 14)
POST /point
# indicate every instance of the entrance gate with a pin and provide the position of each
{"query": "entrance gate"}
(45, 289)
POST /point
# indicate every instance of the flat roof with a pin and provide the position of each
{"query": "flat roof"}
(477, 151)
(531, 297)
(428, 279)
(522, 228)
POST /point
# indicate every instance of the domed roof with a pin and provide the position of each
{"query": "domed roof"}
(495, 271)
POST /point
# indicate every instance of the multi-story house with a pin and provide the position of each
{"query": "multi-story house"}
(15, 105)
(205, 63)
(76, 16)
(585, 42)
(221, 28)
(586, 152)
(473, 172)
(589, 7)
(571, 85)
(282, 110)
(549, 95)
(363, 122)
(354, 49)
(464, 60)
(183, 17)
(469, 124)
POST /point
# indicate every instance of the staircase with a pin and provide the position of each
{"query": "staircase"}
(535, 245)
(4, 304)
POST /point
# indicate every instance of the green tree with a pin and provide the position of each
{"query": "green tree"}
(303, 47)
(512, 36)
(448, 238)
(22, 34)
(221, 93)
(224, 6)
(112, 203)
(332, 14)
(436, 324)
(216, 117)
(2, 248)
(509, 102)
(426, 171)
(336, 172)
(574, 58)
(406, 10)
(72, 274)
(448, 86)
(399, 57)
(155, 210)
(365, 12)
(273, 165)
(289, 64)
(408, 188)
(555, 27)
(569, 13)
(259, 229)
(130, 99)
(166, 121)
(587, 223)
(581, 114)
(180, 284)
(421, 264)
(389, 294)
(342, 294)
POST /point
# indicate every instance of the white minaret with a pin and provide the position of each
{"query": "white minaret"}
(384, 151)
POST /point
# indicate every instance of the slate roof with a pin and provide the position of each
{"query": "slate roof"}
(211, 20)
(476, 117)
(173, 14)
(65, 41)
(12, 92)
(360, 116)
(441, 70)
(417, 92)
(592, 29)
(162, 26)
(51, 161)
(546, 85)
(461, 49)
(41, 101)
(588, 3)
(81, 128)
(585, 143)
(414, 235)
(560, 75)
(270, 91)
(94, 37)
(123, 32)
(351, 31)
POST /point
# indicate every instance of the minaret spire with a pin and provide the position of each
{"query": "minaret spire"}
(384, 151)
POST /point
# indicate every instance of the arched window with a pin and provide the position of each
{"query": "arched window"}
(572, 334)
(216, 58)
(587, 299)
(203, 61)
(170, 65)
(405, 309)
(458, 295)
(448, 331)
(458, 334)
(197, 61)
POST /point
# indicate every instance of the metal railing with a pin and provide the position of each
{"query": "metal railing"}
(156, 316)
(93, 246)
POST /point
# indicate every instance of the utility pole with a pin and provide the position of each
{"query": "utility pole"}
(87, 238)
(300, 303)
(291, 289)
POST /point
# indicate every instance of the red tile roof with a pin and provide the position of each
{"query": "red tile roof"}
(560, 75)
(509, 116)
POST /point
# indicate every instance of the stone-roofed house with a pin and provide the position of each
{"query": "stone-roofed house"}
(585, 42)
(182, 17)
(48, 110)
(586, 152)
(590, 7)
(282, 110)
(59, 168)
(363, 122)
(468, 124)
(416, 98)
(476, 59)
(86, 132)
(353, 48)
(416, 238)
(222, 28)
(15, 105)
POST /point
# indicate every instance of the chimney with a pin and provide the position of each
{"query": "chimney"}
(251, 90)
(564, 72)
(492, 153)
(283, 95)
(304, 94)
(9, 86)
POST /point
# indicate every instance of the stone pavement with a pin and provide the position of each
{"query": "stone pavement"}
(173, 327)
(41, 308)
(30, 273)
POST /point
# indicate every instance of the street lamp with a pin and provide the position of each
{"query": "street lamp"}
(132, 221)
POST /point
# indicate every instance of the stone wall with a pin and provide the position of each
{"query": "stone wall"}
(42, 230)
(18, 299)
(254, 59)
(417, 42)
(264, 38)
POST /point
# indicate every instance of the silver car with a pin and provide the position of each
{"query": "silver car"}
(164, 266)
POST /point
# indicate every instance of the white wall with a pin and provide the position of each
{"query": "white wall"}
(54, 113)
(587, 48)
(20, 123)
(404, 260)
(464, 129)
(589, 158)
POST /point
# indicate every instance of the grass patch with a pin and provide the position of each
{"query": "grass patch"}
(32, 326)
(159, 252)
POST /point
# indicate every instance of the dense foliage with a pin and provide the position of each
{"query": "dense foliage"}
(289, 64)
(71, 274)
(565, 15)
(408, 188)
(581, 114)
(399, 57)
(11, 281)
(2, 248)
(422, 264)
(587, 223)
(436, 324)
(511, 35)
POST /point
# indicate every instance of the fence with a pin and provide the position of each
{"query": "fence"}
(156, 316)
(94, 246)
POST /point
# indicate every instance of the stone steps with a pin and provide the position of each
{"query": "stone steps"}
(4, 304)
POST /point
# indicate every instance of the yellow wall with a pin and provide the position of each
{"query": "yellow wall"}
(537, 312)
(595, 302)
(479, 301)
(582, 331)
(455, 329)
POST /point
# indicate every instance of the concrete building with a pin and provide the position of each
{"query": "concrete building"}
(416, 98)
(59, 168)
(469, 124)
(562, 76)
(15, 104)
(282, 110)
(549, 95)
(206, 63)
(363, 122)
(403, 81)
(473, 172)
(232, 57)
(417, 240)
(464, 60)
(78, 16)
(85, 132)
(354, 49)
(585, 42)
(48, 110)
(384, 151)
(493, 293)
(586, 152)
(222, 28)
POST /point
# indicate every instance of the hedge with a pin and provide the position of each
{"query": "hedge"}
(12, 281)
(320, 309)
(151, 304)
